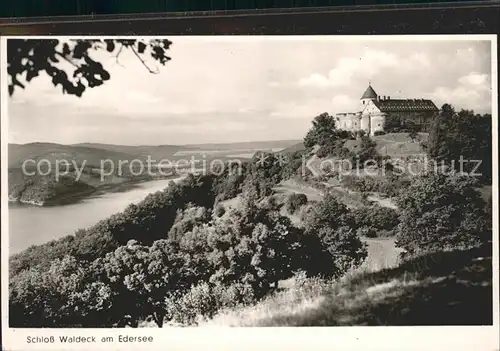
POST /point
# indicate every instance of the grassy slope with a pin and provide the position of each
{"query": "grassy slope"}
(382, 254)
(393, 144)
(447, 288)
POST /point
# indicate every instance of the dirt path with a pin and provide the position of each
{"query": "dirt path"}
(383, 202)
(291, 186)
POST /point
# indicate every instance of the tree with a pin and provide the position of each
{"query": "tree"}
(333, 223)
(295, 201)
(375, 216)
(324, 131)
(440, 212)
(29, 57)
(435, 146)
(344, 245)
(328, 212)
(62, 296)
(413, 135)
(367, 152)
(141, 278)
(187, 219)
(392, 123)
(464, 135)
(147, 221)
(254, 247)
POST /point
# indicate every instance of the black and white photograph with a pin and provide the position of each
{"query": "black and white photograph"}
(302, 181)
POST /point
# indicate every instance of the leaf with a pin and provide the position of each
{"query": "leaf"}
(11, 89)
(30, 75)
(110, 45)
(66, 50)
(141, 47)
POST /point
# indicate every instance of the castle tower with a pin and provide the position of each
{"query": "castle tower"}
(366, 118)
(368, 95)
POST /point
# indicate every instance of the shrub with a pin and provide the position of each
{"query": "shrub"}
(204, 300)
(62, 296)
(345, 247)
(413, 135)
(377, 217)
(367, 151)
(332, 222)
(328, 212)
(271, 203)
(187, 219)
(360, 134)
(219, 210)
(334, 149)
(386, 233)
(390, 185)
(228, 185)
(295, 201)
(368, 232)
(253, 246)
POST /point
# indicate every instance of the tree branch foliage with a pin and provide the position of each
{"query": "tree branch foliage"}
(464, 134)
(27, 58)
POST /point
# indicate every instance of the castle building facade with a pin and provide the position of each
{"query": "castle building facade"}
(375, 110)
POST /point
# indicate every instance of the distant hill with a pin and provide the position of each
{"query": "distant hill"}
(299, 146)
(42, 188)
(254, 145)
(52, 152)
(93, 153)
(157, 152)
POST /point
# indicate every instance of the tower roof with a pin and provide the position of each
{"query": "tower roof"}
(369, 93)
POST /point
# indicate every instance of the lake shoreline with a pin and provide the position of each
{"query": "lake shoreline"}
(32, 225)
(76, 197)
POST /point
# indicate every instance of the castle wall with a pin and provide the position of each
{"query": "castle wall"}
(365, 123)
(348, 121)
(422, 119)
(371, 119)
(377, 123)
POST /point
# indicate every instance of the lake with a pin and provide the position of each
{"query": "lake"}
(33, 225)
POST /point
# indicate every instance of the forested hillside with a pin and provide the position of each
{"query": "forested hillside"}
(184, 256)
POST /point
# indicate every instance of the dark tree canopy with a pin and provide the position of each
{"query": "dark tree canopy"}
(27, 58)
(464, 134)
(323, 131)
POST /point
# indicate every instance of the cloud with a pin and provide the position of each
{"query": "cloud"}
(370, 63)
(217, 90)
(341, 103)
(475, 79)
(472, 92)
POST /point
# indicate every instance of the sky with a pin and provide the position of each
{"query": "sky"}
(217, 90)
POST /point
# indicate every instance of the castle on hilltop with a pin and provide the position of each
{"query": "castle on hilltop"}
(375, 110)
